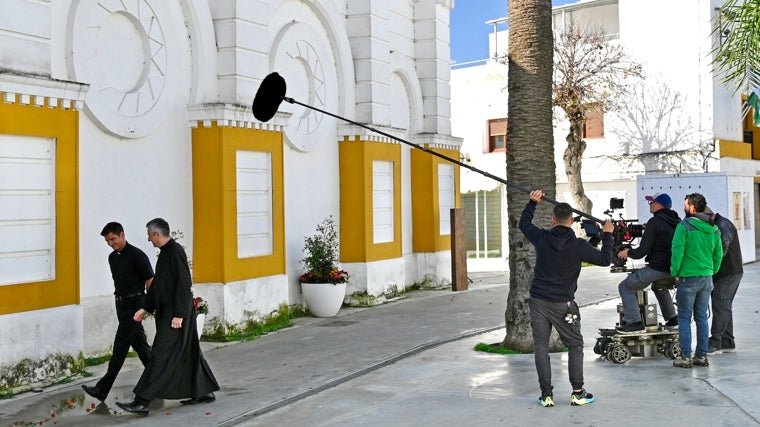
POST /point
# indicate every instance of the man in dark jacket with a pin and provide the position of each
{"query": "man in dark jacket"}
(725, 283)
(559, 254)
(655, 246)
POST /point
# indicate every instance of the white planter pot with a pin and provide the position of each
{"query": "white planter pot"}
(200, 320)
(323, 299)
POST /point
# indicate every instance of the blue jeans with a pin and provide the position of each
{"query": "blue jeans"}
(637, 281)
(693, 297)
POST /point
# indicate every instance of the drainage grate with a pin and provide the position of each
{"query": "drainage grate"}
(336, 323)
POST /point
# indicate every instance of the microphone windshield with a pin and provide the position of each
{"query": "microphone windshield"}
(269, 97)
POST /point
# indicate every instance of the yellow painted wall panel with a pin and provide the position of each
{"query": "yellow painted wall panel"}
(215, 204)
(356, 179)
(63, 126)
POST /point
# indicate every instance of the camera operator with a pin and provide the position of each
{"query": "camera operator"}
(655, 246)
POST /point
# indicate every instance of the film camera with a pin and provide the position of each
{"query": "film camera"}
(626, 231)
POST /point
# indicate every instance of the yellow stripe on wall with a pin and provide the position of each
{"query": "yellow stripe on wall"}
(425, 200)
(215, 204)
(356, 221)
(63, 125)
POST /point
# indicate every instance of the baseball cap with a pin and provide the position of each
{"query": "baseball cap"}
(661, 198)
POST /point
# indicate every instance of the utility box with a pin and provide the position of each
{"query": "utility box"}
(731, 196)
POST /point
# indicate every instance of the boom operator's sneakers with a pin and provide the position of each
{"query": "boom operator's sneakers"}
(546, 400)
(581, 398)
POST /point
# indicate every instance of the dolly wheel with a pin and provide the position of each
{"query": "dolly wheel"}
(675, 350)
(620, 354)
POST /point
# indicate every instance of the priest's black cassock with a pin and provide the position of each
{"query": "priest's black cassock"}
(177, 369)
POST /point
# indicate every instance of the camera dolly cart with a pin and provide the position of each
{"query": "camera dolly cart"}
(618, 348)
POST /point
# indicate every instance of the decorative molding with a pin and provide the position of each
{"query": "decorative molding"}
(40, 91)
(121, 49)
(237, 116)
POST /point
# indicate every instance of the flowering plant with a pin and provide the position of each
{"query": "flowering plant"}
(322, 253)
(200, 306)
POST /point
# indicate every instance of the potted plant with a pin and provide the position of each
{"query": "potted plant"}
(200, 307)
(323, 284)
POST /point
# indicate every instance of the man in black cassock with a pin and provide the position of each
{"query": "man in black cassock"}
(177, 369)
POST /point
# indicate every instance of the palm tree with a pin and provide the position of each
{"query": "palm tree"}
(738, 55)
(530, 153)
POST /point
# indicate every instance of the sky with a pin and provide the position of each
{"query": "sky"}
(469, 32)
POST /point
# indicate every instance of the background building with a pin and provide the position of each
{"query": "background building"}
(681, 120)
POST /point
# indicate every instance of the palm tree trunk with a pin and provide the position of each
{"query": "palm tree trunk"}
(530, 152)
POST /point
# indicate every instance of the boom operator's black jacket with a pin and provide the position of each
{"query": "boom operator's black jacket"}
(559, 253)
(656, 240)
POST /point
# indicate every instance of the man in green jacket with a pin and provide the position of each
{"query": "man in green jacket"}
(696, 255)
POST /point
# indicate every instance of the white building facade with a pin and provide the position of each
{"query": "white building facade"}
(130, 110)
(680, 120)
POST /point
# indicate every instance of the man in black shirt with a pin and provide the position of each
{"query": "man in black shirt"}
(132, 273)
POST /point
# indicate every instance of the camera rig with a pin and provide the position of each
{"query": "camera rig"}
(625, 232)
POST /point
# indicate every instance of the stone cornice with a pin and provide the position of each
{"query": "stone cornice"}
(41, 90)
(232, 115)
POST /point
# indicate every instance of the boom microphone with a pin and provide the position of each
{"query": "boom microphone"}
(269, 97)
(271, 93)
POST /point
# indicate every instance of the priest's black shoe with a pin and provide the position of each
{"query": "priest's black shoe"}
(94, 392)
(134, 407)
(203, 399)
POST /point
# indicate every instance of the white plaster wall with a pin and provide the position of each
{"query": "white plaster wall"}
(235, 303)
(379, 276)
(25, 40)
(433, 267)
(477, 95)
(39, 334)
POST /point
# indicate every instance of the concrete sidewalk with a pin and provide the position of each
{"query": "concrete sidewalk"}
(412, 362)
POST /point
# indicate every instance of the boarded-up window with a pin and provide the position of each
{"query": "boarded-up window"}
(254, 204)
(27, 217)
(593, 126)
(446, 189)
(497, 135)
(382, 201)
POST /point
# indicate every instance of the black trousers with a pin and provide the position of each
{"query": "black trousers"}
(128, 334)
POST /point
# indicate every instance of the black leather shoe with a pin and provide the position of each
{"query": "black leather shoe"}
(203, 399)
(94, 392)
(134, 407)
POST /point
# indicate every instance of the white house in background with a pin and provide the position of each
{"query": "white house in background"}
(125, 111)
(675, 55)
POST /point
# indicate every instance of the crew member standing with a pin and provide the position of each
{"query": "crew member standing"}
(132, 273)
(725, 284)
(559, 254)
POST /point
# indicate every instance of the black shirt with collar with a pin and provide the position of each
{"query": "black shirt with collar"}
(130, 268)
